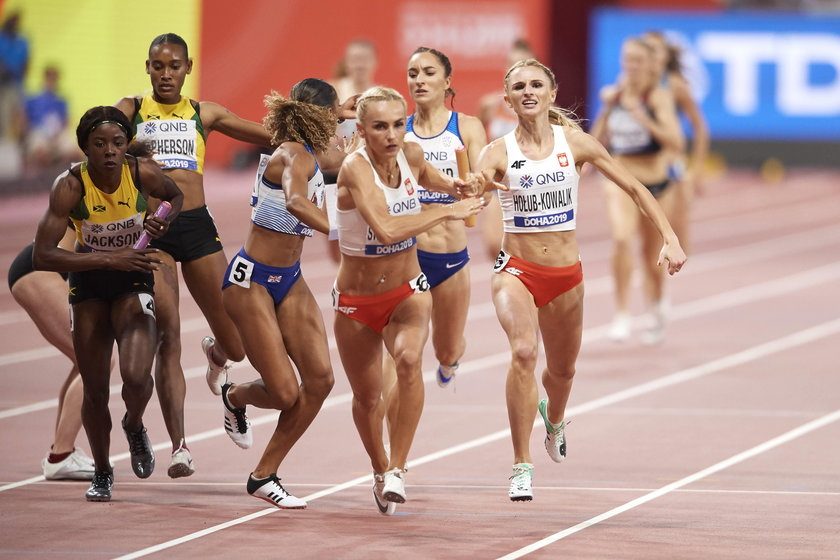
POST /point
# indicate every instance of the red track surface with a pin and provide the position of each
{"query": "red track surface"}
(720, 443)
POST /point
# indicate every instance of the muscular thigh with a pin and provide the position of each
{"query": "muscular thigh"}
(450, 302)
(303, 330)
(561, 325)
(515, 309)
(204, 278)
(408, 328)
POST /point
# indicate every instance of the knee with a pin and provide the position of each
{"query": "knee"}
(320, 386)
(564, 374)
(450, 353)
(284, 398)
(169, 340)
(137, 383)
(408, 362)
(366, 402)
(524, 355)
(235, 354)
(622, 246)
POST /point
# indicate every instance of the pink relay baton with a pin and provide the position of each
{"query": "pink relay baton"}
(161, 212)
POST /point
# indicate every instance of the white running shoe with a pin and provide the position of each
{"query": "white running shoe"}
(181, 464)
(216, 375)
(384, 506)
(555, 438)
(656, 320)
(520, 483)
(393, 488)
(237, 425)
(445, 374)
(270, 490)
(76, 466)
(620, 328)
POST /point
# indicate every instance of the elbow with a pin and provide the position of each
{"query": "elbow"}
(387, 235)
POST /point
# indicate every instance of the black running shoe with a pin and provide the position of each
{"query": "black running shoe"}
(100, 487)
(142, 454)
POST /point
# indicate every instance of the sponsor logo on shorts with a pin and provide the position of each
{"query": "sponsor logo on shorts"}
(513, 270)
(347, 310)
(453, 265)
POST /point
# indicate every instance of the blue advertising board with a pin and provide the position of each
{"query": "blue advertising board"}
(767, 76)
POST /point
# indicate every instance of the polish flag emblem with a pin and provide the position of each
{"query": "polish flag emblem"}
(564, 161)
(409, 188)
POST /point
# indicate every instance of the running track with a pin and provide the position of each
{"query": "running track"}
(720, 443)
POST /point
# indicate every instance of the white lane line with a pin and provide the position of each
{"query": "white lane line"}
(668, 488)
(762, 350)
(726, 300)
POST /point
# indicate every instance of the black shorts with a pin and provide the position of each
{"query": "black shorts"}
(108, 285)
(657, 189)
(191, 236)
(22, 265)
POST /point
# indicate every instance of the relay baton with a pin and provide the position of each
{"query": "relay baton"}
(161, 212)
(463, 160)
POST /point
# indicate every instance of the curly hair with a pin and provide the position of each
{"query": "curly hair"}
(305, 116)
(374, 94)
(556, 115)
(96, 116)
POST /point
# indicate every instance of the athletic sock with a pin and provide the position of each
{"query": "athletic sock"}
(58, 457)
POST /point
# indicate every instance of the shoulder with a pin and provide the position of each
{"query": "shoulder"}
(127, 104)
(469, 124)
(413, 153)
(584, 146)
(354, 167)
(495, 153)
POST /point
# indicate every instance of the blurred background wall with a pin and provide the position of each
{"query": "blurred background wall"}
(767, 73)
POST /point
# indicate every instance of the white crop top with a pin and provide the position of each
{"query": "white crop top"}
(440, 152)
(268, 201)
(543, 194)
(355, 236)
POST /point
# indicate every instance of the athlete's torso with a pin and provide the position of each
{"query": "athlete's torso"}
(268, 202)
(542, 195)
(356, 237)
(439, 151)
(175, 131)
(627, 136)
(108, 221)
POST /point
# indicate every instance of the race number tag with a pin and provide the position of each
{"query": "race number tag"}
(501, 262)
(240, 272)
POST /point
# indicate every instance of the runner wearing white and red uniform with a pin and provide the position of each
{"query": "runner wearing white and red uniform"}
(538, 284)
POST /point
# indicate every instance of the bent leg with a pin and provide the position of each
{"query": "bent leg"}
(561, 322)
(450, 304)
(169, 374)
(306, 341)
(405, 336)
(204, 277)
(514, 308)
(136, 336)
(360, 349)
(93, 341)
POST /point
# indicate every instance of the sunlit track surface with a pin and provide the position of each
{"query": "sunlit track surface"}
(719, 443)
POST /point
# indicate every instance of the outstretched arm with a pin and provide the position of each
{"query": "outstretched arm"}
(216, 117)
(357, 177)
